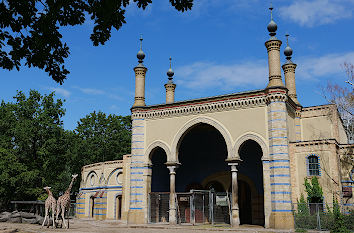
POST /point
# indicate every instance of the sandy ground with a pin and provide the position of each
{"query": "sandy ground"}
(88, 225)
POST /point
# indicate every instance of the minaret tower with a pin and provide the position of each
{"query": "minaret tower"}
(140, 72)
(278, 202)
(289, 72)
(170, 86)
(273, 48)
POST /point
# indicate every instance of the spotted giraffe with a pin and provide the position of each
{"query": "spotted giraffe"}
(63, 202)
(50, 204)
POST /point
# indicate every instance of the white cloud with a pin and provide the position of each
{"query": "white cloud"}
(324, 66)
(254, 74)
(61, 91)
(205, 75)
(317, 12)
(90, 91)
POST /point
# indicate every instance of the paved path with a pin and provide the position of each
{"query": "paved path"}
(87, 226)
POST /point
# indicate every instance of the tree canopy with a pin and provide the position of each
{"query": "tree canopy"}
(30, 30)
(36, 151)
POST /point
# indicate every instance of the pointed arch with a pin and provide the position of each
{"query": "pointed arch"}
(187, 126)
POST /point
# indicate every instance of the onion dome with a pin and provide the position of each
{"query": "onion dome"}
(272, 26)
(141, 54)
(288, 52)
(170, 73)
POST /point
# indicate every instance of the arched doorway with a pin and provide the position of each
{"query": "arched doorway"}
(160, 186)
(202, 151)
(250, 184)
(119, 207)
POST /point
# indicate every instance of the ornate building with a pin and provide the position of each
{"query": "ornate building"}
(258, 145)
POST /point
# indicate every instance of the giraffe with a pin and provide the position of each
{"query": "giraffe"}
(50, 204)
(63, 202)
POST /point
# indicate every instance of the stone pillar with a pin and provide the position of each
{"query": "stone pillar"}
(273, 49)
(289, 73)
(281, 216)
(235, 219)
(140, 72)
(170, 92)
(172, 211)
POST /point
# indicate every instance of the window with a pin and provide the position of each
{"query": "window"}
(313, 165)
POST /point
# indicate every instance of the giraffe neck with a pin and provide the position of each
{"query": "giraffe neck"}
(70, 186)
(49, 192)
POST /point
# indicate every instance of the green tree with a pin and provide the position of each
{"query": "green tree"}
(314, 191)
(32, 146)
(30, 29)
(98, 138)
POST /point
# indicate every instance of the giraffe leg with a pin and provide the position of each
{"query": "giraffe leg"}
(62, 215)
(53, 214)
(45, 217)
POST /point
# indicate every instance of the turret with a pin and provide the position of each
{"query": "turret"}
(170, 86)
(140, 72)
(289, 72)
(273, 48)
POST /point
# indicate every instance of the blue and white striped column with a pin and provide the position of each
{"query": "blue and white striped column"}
(138, 173)
(279, 162)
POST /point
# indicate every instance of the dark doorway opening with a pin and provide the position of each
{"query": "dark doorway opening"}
(160, 180)
(250, 184)
(202, 152)
(119, 207)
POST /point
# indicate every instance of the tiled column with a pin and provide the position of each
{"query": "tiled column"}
(281, 216)
(139, 172)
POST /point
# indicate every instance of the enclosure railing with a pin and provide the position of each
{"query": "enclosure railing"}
(194, 207)
(323, 216)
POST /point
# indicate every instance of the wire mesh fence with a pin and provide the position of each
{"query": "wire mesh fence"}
(194, 207)
(323, 216)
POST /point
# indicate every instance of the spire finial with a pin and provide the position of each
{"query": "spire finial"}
(272, 26)
(170, 72)
(271, 10)
(288, 51)
(287, 39)
(141, 54)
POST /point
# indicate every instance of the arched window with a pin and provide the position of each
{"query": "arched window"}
(313, 165)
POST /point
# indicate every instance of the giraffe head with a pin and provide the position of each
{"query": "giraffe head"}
(46, 188)
(74, 176)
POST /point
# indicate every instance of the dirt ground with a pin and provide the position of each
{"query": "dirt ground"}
(88, 225)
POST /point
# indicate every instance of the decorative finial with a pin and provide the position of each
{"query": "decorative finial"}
(272, 26)
(288, 51)
(141, 54)
(170, 72)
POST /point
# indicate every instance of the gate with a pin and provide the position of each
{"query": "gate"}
(194, 207)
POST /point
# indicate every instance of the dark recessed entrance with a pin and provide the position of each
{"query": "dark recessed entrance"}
(250, 184)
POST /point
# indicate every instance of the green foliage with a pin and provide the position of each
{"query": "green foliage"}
(35, 150)
(31, 30)
(302, 207)
(314, 191)
(338, 223)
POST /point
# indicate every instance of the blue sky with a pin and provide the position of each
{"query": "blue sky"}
(217, 48)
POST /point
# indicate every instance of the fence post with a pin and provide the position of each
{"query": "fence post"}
(318, 217)
(192, 208)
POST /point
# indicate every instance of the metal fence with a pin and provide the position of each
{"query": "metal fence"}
(194, 207)
(323, 216)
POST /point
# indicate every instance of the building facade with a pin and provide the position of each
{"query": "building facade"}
(258, 145)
